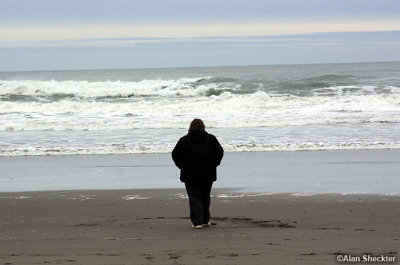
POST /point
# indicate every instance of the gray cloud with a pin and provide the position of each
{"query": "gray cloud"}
(218, 51)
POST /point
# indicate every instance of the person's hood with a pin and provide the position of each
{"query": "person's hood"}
(197, 136)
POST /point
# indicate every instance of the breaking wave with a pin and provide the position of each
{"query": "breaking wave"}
(289, 100)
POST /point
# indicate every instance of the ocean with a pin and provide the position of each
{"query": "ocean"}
(248, 108)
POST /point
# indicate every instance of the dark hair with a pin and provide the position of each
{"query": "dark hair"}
(197, 125)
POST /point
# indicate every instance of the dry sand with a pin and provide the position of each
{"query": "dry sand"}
(151, 227)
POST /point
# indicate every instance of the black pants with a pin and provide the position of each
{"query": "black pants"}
(199, 201)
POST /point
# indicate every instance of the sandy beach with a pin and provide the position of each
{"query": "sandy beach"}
(152, 227)
(270, 208)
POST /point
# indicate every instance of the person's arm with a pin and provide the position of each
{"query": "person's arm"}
(177, 153)
(219, 152)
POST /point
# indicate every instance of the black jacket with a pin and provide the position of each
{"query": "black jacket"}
(198, 154)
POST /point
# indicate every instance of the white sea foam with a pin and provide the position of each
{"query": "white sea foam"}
(240, 195)
(134, 197)
(149, 149)
(82, 198)
(179, 196)
(22, 197)
(303, 194)
(250, 108)
(85, 89)
(158, 87)
(225, 110)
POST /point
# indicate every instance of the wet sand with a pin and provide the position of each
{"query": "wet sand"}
(336, 171)
(152, 227)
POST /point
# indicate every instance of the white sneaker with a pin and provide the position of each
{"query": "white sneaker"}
(206, 225)
(197, 226)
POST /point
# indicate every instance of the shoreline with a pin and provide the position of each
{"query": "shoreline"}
(180, 194)
(377, 147)
(101, 227)
(305, 172)
(236, 192)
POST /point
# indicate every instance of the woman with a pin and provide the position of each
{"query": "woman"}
(197, 155)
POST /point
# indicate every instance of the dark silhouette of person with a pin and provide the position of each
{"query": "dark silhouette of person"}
(198, 155)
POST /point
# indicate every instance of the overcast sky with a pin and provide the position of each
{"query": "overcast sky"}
(105, 34)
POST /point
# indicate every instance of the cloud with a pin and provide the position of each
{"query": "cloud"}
(50, 35)
(208, 51)
(55, 11)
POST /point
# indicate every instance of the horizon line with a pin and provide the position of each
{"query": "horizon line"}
(183, 67)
